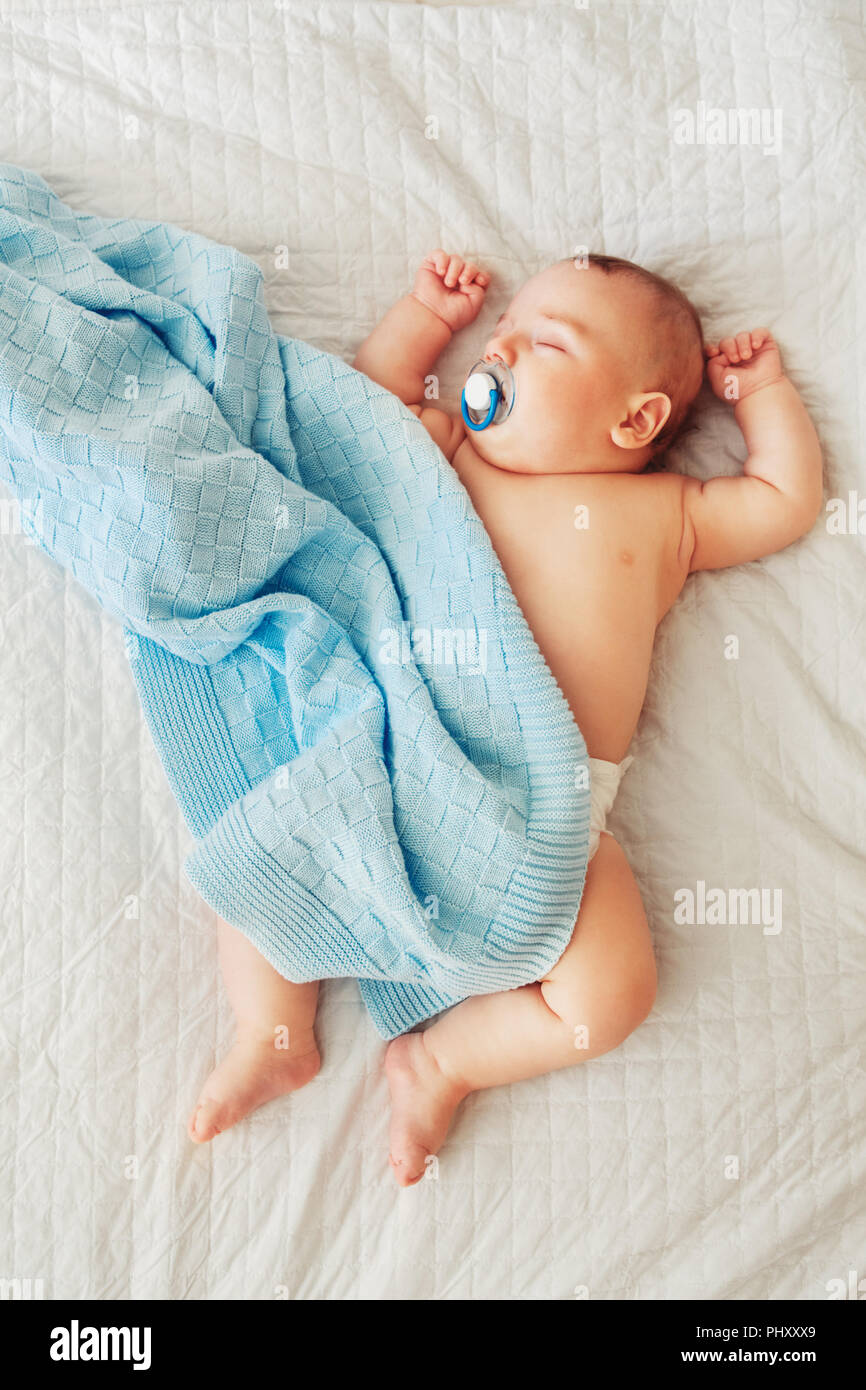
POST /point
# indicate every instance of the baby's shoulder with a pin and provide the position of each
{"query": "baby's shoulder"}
(649, 502)
(644, 514)
(659, 498)
(662, 498)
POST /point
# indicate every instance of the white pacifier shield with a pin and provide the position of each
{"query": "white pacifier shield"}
(477, 390)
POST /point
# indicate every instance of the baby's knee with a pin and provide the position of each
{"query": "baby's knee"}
(604, 984)
(638, 995)
(601, 1014)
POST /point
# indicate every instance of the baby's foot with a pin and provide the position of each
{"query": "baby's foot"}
(254, 1072)
(423, 1101)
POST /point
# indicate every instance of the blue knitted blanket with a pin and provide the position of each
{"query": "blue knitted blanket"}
(381, 776)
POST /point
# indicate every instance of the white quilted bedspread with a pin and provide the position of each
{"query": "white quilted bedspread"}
(720, 1152)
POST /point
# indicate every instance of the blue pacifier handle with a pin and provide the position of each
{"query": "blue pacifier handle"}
(470, 424)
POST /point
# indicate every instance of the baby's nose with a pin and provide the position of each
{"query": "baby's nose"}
(500, 347)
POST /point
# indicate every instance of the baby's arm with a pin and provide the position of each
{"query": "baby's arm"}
(401, 351)
(729, 521)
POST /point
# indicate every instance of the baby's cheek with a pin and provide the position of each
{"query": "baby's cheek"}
(594, 401)
(559, 437)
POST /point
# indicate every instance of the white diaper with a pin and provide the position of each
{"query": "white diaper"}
(604, 780)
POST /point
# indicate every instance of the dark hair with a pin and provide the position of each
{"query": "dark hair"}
(681, 366)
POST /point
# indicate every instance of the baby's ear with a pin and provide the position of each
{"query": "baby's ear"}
(647, 416)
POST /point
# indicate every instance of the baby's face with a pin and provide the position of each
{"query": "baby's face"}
(572, 338)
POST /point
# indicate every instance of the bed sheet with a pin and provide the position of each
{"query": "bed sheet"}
(719, 1153)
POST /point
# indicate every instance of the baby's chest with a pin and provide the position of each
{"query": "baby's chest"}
(581, 545)
(564, 551)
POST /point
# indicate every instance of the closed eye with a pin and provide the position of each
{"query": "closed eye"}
(537, 342)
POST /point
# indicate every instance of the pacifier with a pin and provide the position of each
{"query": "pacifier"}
(488, 394)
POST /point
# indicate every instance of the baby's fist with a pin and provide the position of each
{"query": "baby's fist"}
(738, 366)
(453, 289)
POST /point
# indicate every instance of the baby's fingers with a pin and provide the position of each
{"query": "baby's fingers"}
(743, 347)
(731, 348)
(744, 344)
(437, 260)
(471, 272)
(455, 265)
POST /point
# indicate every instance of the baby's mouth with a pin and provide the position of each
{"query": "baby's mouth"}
(488, 394)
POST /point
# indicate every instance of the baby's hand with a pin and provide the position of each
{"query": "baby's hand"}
(738, 366)
(452, 288)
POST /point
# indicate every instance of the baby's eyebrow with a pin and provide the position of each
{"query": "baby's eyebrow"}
(554, 316)
(563, 318)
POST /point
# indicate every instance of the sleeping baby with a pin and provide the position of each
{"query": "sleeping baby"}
(592, 370)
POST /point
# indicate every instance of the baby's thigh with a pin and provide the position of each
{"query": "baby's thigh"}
(608, 969)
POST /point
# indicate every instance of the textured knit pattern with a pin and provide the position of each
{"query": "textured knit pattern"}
(382, 776)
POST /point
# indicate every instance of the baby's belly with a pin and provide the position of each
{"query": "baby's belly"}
(593, 613)
(600, 657)
(590, 596)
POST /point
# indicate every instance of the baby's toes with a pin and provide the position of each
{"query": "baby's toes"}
(204, 1121)
(409, 1164)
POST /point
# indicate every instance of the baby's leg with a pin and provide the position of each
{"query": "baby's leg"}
(598, 992)
(275, 1049)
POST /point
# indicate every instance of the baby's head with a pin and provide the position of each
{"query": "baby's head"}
(607, 359)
